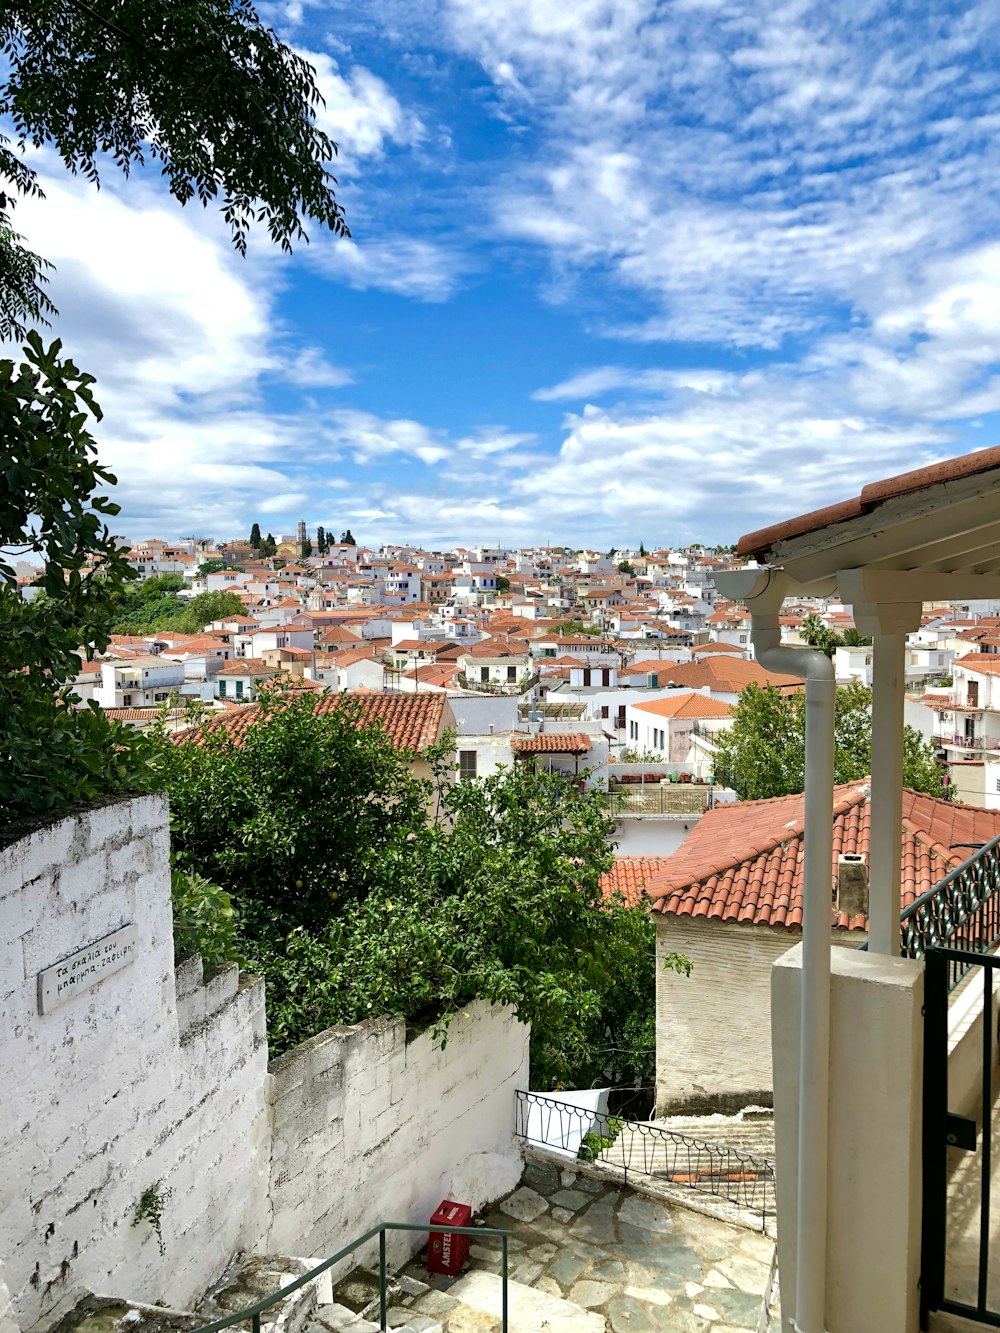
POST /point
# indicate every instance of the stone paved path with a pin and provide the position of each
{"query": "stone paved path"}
(643, 1265)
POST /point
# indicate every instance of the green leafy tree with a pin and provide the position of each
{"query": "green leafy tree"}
(503, 583)
(211, 567)
(321, 542)
(347, 538)
(625, 567)
(763, 753)
(307, 549)
(54, 511)
(255, 536)
(819, 635)
(202, 88)
(642, 549)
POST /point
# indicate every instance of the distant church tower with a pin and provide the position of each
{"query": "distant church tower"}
(302, 538)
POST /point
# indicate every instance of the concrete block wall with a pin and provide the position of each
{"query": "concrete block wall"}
(369, 1127)
(713, 1028)
(120, 1087)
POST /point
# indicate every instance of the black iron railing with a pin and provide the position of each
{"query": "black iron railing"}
(962, 912)
(638, 1147)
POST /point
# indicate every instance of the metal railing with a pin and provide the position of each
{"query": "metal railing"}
(254, 1312)
(962, 912)
(638, 1147)
(671, 798)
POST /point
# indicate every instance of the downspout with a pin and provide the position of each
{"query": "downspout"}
(763, 593)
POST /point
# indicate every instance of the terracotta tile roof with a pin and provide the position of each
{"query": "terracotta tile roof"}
(728, 675)
(248, 666)
(411, 721)
(743, 862)
(686, 704)
(551, 742)
(131, 714)
(984, 664)
(629, 876)
(952, 469)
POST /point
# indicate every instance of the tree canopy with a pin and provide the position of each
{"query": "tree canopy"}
(763, 753)
(54, 511)
(202, 88)
(361, 889)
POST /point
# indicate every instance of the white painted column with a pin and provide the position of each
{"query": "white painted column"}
(887, 792)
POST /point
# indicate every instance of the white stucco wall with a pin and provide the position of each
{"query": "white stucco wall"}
(713, 1028)
(114, 1090)
(156, 1074)
(650, 835)
(368, 1127)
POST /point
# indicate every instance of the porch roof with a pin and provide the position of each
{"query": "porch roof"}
(940, 525)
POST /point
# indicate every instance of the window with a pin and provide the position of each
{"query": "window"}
(484, 674)
(605, 712)
(998, 785)
(512, 673)
(239, 689)
(743, 638)
(466, 765)
(159, 698)
(973, 688)
(222, 689)
(127, 700)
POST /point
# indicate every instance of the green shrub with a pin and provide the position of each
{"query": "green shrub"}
(204, 920)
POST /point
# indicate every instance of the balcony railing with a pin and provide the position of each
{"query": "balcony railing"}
(975, 742)
(962, 912)
(669, 798)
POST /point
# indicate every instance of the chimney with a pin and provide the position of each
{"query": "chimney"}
(852, 884)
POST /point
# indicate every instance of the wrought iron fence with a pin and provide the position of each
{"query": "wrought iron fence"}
(639, 1147)
(962, 912)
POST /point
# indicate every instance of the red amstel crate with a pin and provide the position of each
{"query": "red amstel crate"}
(447, 1253)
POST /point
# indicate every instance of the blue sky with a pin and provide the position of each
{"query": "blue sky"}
(618, 271)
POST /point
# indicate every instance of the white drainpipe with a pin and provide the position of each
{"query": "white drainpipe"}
(763, 593)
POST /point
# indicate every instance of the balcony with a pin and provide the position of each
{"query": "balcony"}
(971, 743)
(519, 686)
(656, 798)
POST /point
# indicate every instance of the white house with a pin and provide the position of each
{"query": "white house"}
(665, 726)
(138, 682)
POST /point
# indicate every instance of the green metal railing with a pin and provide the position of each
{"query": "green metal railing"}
(254, 1312)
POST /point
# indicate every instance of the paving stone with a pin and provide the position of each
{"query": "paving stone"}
(739, 1307)
(530, 1310)
(525, 1272)
(411, 1286)
(589, 1294)
(747, 1274)
(568, 1267)
(543, 1253)
(562, 1215)
(435, 1302)
(706, 1312)
(567, 1178)
(627, 1315)
(612, 1270)
(716, 1279)
(524, 1205)
(573, 1200)
(650, 1295)
(550, 1285)
(397, 1316)
(589, 1185)
(421, 1323)
(542, 1176)
(646, 1213)
(756, 1246)
(597, 1224)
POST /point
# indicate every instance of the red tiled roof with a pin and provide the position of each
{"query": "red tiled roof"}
(629, 876)
(248, 666)
(551, 742)
(952, 469)
(984, 664)
(685, 704)
(728, 675)
(743, 862)
(411, 721)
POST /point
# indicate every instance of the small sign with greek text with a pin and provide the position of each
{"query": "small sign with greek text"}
(85, 968)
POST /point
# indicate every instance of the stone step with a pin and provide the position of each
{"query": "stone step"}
(251, 1280)
(473, 1305)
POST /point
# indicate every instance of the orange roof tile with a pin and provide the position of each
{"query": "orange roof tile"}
(552, 742)
(411, 721)
(687, 704)
(743, 862)
(728, 675)
(629, 876)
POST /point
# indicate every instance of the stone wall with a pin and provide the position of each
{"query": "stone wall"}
(152, 1075)
(409, 1123)
(115, 1089)
(713, 1028)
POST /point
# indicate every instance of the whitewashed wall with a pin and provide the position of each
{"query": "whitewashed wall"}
(713, 1028)
(368, 1127)
(156, 1075)
(111, 1092)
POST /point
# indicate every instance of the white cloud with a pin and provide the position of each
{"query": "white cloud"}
(309, 369)
(286, 504)
(407, 266)
(361, 114)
